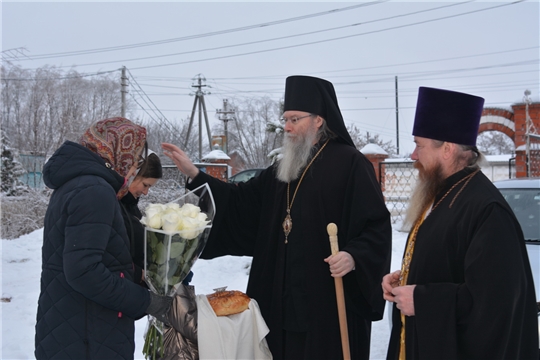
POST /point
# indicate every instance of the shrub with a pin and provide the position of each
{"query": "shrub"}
(23, 214)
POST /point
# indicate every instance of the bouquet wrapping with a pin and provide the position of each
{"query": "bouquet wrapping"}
(175, 236)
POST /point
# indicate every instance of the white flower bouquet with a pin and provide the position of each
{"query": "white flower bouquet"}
(175, 236)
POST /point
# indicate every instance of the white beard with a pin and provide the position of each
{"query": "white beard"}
(296, 151)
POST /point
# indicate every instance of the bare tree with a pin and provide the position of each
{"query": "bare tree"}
(248, 133)
(495, 143)
(42, 108)
(361, 139)
(174, 132)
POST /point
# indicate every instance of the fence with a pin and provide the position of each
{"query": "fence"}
(398, 178)
(33, 165)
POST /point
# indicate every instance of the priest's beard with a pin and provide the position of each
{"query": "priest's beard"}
(430, 183)
(296, 151)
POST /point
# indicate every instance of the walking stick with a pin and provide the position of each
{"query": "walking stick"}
(332, 233)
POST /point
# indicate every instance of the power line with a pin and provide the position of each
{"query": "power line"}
(274, 39)
(431, 61)
(162, 120)
(198, 36)
(328, 40)
(77, 76)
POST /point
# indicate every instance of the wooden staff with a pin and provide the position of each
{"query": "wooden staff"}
(332, 234)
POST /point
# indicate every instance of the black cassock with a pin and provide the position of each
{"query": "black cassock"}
(475, 296)
(291, 282)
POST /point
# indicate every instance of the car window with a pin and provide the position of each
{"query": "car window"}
(243, 176)
(526, 205)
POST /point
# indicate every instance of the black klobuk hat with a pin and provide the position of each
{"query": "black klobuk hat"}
(316, 96)
(447, 116)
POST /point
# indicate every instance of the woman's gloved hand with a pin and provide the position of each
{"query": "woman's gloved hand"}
(160, 307)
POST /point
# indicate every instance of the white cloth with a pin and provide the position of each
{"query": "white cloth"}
(238, 336)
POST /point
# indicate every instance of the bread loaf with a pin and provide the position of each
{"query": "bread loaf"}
(228, 302)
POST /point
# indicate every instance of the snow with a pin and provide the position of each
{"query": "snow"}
(373, 149)
(504, 158)
(21, 270)
(216, 155)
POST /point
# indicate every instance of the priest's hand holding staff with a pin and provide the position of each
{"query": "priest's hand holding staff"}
(342, 265)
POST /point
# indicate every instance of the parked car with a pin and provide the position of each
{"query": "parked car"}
(523, 196)
(244, 175)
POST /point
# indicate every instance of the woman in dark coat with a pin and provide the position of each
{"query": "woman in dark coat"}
(147, 176)
(88, 301)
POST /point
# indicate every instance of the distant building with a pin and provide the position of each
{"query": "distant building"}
(33, 164)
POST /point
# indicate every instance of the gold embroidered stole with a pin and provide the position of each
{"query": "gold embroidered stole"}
(405, 266)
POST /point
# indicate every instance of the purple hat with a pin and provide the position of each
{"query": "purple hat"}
(447, 116)
(316, 96)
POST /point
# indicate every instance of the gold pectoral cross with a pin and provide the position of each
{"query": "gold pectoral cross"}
(287, 225)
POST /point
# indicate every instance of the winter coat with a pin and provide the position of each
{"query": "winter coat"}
(88, 300)
(132, 216)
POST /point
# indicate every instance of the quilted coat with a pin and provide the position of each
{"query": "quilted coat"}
(88, 301)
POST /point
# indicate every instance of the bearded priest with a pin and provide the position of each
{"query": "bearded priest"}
(465, 289)
(280, 218)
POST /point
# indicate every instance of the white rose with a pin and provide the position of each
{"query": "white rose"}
(190, 228)
(173, 206)
(153, 209)
(170, 221)
(202, 218)
(190, 210)
(155, 221)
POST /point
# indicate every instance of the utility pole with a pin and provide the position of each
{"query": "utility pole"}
(527, 132)
(199, 99)
(123, 90)
(530, 131)
(397, 118)
(226, 115)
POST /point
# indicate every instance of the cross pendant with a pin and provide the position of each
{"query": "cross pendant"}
(287, 226)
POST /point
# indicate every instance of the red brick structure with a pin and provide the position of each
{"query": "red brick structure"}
(376, 155)
(216, 164)
(513, 124)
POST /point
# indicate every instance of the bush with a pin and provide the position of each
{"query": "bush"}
(23, 214)
(165, 190)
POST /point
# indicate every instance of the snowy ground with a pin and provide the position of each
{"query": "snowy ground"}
(21, 268)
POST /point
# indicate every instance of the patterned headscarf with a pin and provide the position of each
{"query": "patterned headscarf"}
(117, 141)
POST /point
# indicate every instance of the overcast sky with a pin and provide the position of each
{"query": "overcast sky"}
(490, 49)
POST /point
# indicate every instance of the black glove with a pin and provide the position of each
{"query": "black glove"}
(160, 307)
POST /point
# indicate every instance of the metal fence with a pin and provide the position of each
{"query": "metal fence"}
(534, 163)
(172, 174)
(398, 178)
(397, 182)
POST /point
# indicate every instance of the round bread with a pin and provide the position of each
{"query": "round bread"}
(228, 302)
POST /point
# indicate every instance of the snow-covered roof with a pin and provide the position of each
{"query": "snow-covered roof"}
(499, 158)
(398, 160)
(507, 108)
(533, 146)
(373, 149)
(216, 155)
